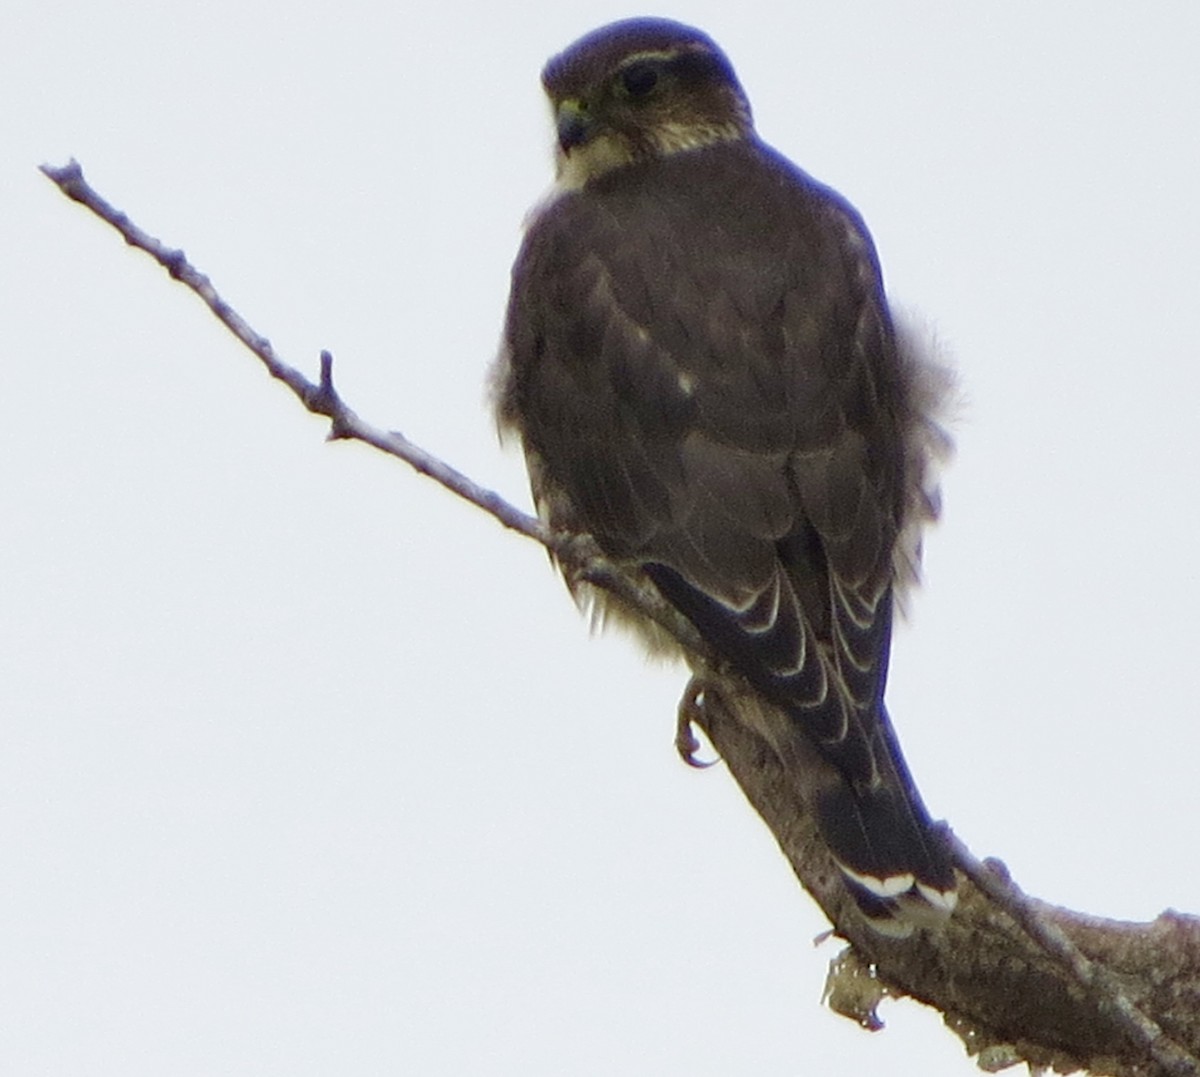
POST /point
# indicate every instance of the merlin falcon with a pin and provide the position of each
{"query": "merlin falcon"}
(702, 368)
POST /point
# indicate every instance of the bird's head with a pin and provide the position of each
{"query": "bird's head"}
(639, 89)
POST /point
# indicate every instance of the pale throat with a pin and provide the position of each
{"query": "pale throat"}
(590, 160)
(607, 151)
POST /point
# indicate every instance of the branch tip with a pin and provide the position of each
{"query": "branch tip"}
(68, 177)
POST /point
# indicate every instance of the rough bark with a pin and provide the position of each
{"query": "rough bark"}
(1131, 1006)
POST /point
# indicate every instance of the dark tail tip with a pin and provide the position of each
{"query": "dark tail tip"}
(895, 863)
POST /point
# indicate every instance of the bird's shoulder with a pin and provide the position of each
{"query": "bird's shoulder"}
(735, 197)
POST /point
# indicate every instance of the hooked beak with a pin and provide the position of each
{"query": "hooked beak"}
(573, 124)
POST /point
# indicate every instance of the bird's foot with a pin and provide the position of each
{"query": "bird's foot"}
(689, 714)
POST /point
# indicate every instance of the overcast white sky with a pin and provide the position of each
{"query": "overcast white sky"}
(307, 768)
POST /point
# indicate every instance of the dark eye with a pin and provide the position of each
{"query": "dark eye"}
(639, 79)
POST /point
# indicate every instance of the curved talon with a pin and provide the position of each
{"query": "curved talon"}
(691, 705)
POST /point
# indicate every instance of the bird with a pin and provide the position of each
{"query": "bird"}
(701, 365)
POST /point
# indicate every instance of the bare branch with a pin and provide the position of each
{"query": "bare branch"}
(1016, 979)
(321, 398)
